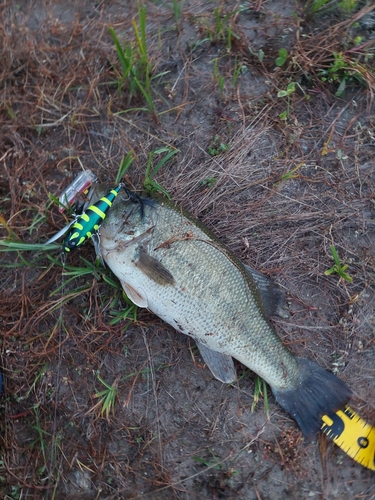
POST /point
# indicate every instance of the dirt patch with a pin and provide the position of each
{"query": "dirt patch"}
(278, 177)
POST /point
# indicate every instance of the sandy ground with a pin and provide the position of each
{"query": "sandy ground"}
(278, 190)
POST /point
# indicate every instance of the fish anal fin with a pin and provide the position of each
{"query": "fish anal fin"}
(136, 296)
(154, 269)
(221, 365)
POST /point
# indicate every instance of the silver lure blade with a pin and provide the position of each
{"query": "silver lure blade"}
(60, 233)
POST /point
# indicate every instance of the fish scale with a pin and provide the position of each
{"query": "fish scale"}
(171, 264)
(231, 320)
(233, 313)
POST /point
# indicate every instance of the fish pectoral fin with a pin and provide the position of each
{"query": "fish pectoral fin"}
(138, 297)
(221, 365)
(273, 297)
(154, 269)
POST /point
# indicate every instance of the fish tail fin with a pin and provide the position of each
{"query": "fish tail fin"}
(318, 393)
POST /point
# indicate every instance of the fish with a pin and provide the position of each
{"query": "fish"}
(170, 263)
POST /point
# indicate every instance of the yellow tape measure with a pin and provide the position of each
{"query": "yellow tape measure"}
(352, 434)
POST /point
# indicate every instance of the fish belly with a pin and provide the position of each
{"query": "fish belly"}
(172, 265)
(210, 302)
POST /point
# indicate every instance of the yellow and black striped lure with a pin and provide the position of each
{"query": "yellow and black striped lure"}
(87, 224)
(352, 434)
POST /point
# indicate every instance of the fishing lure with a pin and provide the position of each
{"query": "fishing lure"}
(87, 224)
(80, 185)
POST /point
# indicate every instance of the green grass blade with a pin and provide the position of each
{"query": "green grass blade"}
(170, 154)
(113, 283)
(146, 94)
(8, 229)
(335, 256)
(124, 166)
(141, 36)
(151, 186)
(124, 61)
(265, 398)
(15, 246)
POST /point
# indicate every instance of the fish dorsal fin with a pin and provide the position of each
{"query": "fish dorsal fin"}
(138, 297)
(153, 269)
(221, 365)
(273, 298)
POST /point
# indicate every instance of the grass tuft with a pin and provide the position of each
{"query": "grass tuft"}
(136, 65)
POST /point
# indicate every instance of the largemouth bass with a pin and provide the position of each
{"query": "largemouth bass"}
(171, 264)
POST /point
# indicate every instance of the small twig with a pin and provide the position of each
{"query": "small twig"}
(155, 394)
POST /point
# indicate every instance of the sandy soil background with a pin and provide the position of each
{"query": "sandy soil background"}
(279, 178)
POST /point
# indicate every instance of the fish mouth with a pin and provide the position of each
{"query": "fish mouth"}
(109, 244)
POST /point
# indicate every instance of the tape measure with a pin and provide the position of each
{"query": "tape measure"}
(352, 434)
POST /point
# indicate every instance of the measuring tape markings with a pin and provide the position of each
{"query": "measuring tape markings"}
(352, 434)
